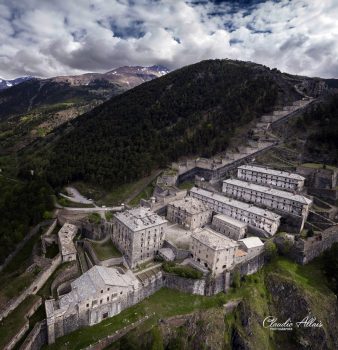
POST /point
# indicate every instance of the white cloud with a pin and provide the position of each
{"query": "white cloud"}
(48, 38)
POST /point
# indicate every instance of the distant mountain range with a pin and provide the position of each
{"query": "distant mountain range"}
(126, 77)
(35, 107)
(5, 84)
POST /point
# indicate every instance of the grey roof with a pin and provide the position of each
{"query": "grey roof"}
(168, 253)
(237, 204)
(265, 170)
(140, 218)
(251, 242)
(190, 205)
(278, 193)
(213, 239)
(230, 220)
(66, 236)
(93, 281)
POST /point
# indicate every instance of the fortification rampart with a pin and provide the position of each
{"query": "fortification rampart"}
(38, 282)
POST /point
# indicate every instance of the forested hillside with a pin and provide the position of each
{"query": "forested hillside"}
(193, 110)
(323, 142)
(22, 205)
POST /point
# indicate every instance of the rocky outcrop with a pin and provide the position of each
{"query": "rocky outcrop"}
(201, 330)
(291, 301)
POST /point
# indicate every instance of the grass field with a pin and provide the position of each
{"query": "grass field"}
(145, 194)
(114, 195)
(105, 250)
(94, 218)
(186, 185)
(318, 166)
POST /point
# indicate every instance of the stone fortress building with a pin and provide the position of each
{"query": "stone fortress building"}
(139, 234)
(275, 199)
(229, 226)
(218, 227)
(189, 212)
(213, 250)
(99, 293)
(270, 177)
(66, 236)
(258, 219)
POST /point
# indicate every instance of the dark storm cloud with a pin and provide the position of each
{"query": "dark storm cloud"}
(47, 38)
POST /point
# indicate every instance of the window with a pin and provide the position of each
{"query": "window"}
(107, 298)
(121, 292)
(87, 305)
(101, 290)
(108, 289)
(105, 315)
(101, 301)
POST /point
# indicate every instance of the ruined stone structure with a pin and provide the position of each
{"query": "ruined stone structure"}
(189, 212)
(66, 244)
(260, 220)
(217, 168)
(213, 250)
(321, 182)
(229, 226)
(270, 177)
(280, 201)
(304, 250)
(319, 177)
(139, 234)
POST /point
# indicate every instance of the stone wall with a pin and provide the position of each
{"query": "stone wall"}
(25, 327)
(186, 285)
(304, 250)
(39, 281)
(17, 337)
(37, 338)
(250, 266)
(31, 233)
(96, 232)
(71, 272)
(88, 230)
(329, 195)
(319, 178)
(45, 238)
(315, 246)
(218, 284)
(180, 254)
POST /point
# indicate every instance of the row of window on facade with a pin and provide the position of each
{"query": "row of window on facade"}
(95, 302)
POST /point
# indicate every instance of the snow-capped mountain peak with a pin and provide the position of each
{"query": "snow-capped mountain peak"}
(5, 84)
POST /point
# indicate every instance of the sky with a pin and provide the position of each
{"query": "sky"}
(45, 38)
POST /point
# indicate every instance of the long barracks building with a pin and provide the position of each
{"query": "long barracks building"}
(270, 177)
(281, 201)
(256, 218)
